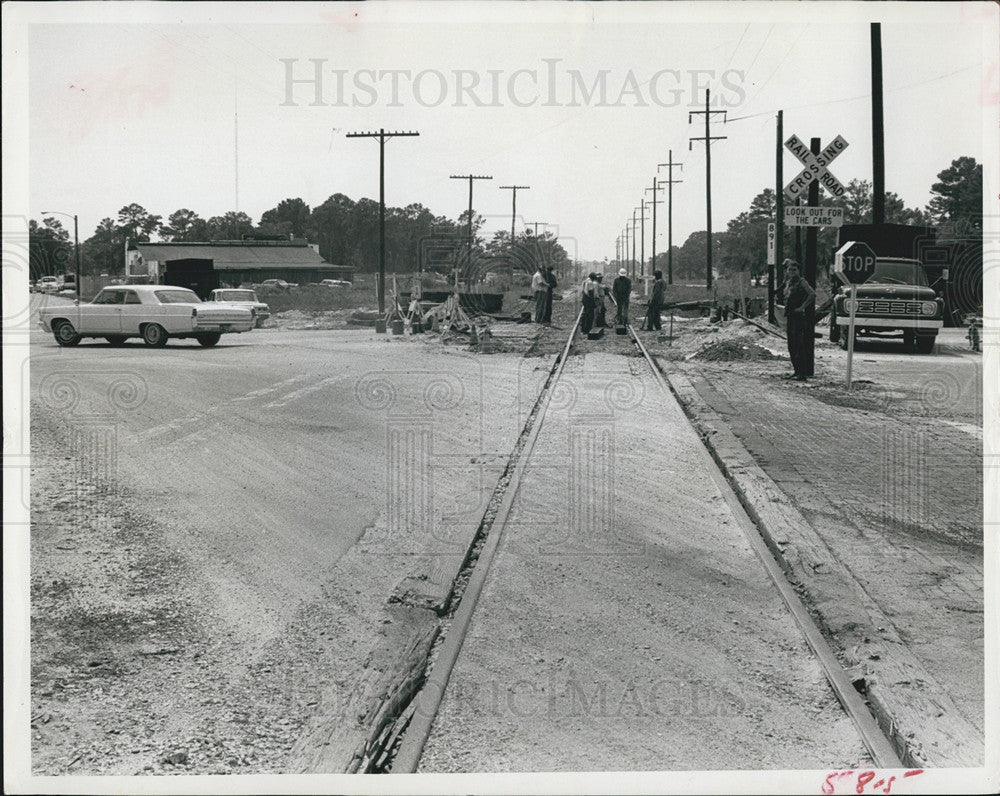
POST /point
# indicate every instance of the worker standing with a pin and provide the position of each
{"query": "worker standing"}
(550, 286)
(600, 291)
(589, 303)
(621, 289)
(539, 286)
(656, 302)
(800, 299)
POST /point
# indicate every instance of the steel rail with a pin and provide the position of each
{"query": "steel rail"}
(428, 701)
(878, 745)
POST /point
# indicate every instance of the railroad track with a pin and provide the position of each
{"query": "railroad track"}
(418, 719)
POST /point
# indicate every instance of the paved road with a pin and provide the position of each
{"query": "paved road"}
(298, 477)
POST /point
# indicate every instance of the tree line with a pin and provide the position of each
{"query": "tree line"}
(346, 231)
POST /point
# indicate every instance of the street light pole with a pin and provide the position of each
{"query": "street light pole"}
(76, 242)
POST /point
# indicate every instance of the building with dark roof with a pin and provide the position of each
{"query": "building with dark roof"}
(205, 266)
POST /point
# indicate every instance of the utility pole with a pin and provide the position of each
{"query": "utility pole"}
(513, 211)
(618, 252)
(381, 136)
(633, 243)
(670, 210)
(625, 246)
(654, 202)
(878, 132)
(76, 242)
(779, 219)
(809, 272)
(470, 178)
(708, 139)
(642, 235)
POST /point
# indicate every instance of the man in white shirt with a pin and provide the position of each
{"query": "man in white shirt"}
(540, 287)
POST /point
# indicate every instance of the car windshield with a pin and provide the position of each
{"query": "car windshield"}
(177, 297)
(236, 295)
(899, 272)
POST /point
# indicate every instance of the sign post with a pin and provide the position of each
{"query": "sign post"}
(815, 174)
(853, 264)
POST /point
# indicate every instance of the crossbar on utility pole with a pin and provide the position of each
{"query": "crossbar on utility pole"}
(381, 136)
(513, 211)
(536, 225)
(669, 182)
(470, 178)
(708, 138)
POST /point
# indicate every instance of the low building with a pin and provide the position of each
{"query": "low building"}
(205, 266)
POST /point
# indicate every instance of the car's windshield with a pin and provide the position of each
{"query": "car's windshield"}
(236, 295)
(900, 272)
(177, 296)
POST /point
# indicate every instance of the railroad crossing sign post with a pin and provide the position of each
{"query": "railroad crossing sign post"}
(853, 264)
(816, 172)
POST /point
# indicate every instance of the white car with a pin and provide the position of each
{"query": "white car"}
(48, 284)
(335, 283)
(153, 312)
(242, 297)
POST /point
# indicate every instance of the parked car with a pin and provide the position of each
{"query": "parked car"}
(277, 284)
(335, 283)
(242, 297)
(155, 313)
(49, 284)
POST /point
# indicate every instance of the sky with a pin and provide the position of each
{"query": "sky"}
(216, 107)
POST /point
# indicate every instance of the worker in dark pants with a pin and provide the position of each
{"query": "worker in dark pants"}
(550, 280)
(589, 303)
(656, 302)
(799, 301)
(621, 289)
(600, 291)
(539, 287)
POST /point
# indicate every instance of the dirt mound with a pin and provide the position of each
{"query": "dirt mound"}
(733, 350)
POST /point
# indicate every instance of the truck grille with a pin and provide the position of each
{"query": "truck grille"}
(881, 307)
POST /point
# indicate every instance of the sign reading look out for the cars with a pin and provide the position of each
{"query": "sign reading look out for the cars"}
(814, 216)
(815, 167)
(854, 263)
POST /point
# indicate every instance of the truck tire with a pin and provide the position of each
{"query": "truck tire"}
(65, 334)
(835, 330)
(925, 343)
(844, 334)
(154, 335)
(909, 339)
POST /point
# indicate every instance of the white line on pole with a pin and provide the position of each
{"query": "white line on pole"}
(850, 333)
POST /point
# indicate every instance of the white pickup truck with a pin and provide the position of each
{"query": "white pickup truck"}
(155, 313)
(242, 297)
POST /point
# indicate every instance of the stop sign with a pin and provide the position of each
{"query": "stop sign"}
(854, 263)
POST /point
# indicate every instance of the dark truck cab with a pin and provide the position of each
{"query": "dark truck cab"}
(897, 298)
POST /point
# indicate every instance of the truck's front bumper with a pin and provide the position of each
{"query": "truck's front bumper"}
(891, 323)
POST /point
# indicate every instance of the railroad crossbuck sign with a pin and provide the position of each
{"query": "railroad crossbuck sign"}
(815, 167)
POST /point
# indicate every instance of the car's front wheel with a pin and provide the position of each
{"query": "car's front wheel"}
(925, 343)
(209, 340)
(154, 335)
(65, 334)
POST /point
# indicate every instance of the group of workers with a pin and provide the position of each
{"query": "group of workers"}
(594, 290)
(593, 293)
